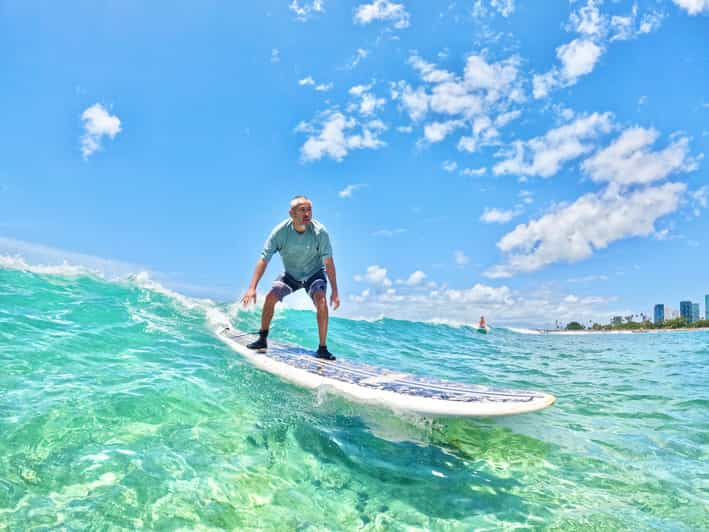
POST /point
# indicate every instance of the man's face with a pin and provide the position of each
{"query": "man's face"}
(302, 212)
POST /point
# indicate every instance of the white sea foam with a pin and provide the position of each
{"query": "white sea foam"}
(450, 323)
(216, 317)
(47, 260)
(368, 319)
(152, 322)
(572, 333)
(522, 330)
(65, 269)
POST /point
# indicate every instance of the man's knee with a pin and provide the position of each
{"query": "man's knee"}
(273, 297)
(320, 300)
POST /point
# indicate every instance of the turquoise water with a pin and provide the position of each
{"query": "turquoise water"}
(120, 409)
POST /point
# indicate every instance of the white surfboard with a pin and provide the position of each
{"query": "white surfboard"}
(399, 391)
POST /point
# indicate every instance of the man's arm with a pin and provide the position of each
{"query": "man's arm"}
(269, 248)
(250, 295)
(332, 276)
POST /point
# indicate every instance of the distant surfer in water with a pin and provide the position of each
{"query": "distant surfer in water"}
(304, 246)
(482, 324)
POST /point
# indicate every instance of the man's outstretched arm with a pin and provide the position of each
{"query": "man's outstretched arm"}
(332, 276)
(250, 295)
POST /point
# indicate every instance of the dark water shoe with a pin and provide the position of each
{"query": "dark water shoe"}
(324, 353)
(259, 345)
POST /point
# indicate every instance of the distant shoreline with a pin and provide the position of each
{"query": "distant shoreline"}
(625, 331)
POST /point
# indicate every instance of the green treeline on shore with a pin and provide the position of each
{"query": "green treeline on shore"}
(676, 323)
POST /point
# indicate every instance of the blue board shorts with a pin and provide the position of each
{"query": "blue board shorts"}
(285, 284)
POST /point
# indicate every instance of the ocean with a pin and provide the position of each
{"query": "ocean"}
(121, 409)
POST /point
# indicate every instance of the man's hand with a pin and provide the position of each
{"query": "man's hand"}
(330, 270)
(249, 297)
(334, 300)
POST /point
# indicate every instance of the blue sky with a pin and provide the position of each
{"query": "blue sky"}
(531, 161)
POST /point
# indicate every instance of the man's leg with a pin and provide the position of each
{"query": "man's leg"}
(317, 289)
(279, 290)
(268, 307)
(321, 306)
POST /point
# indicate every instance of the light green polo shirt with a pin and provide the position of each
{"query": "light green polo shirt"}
(302, 253)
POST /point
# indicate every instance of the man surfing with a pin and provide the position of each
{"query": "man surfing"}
(304, 246)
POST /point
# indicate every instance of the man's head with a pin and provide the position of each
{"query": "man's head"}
(301, 211)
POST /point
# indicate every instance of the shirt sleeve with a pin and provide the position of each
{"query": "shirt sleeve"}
(270, 246)
(324, 244)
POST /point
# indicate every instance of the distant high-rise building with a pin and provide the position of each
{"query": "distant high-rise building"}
(685, 310)
(695, 312)
(706, 307)
(659, 313)
(617, 320)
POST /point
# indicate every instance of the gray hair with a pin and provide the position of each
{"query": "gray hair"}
(294, 201)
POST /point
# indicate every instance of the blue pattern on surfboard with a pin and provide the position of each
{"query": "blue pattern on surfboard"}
(384, 379)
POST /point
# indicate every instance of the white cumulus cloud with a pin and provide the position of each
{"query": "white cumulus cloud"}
(98, 123)
(349, 189)
(360, 54)
(414, 101)
(480, 293)
(578, 58)
(369, 104)
(544, 156)
(629, 160)
(700, 200)
(503, 7)
(450, 166)
(499, 216)
(623, 28)
(693, 7)
(588, 20)
(482, 87)
(416, 299)
(335, 135)
(476, 172)
(415, 278)
(306, 10)
(382, 10)
(437, 131)
(429, 72)
(596, 31)
(572, 233)
(480, 97)
(376, 276)
(324, 87)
